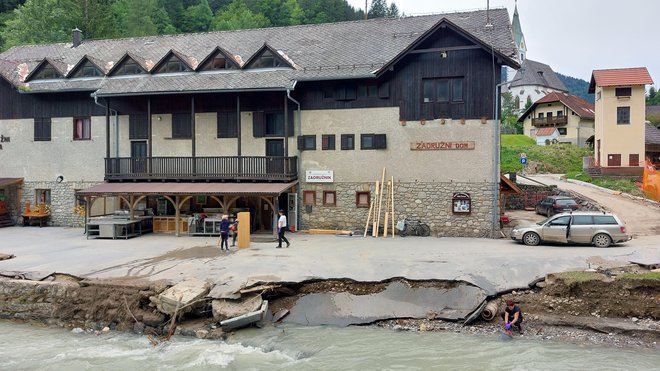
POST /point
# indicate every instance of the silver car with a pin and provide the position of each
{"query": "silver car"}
(579, 227)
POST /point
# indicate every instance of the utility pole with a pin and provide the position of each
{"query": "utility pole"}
(365, 9)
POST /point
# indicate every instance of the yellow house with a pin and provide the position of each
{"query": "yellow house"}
(619, 139)
(572, 116)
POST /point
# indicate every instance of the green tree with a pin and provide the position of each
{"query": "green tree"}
(163, 22)
(197, 18)
(95, 21)
(133, 17)
(393, 11)
(8, 5)
(509, 115)
(41, 21)
(238, 16)
(653, 99)
(378, 9)
(528, 103)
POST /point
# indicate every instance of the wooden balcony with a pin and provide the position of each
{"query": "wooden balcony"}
(549, 121)
(244, 168)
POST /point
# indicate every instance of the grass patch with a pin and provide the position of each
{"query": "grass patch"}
(578, 277)
(556, 158)
(615, 184)
(640, 276)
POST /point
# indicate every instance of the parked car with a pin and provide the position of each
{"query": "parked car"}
(552, 205)
(580, 227)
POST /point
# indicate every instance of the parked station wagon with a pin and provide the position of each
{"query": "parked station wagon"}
(581, 227)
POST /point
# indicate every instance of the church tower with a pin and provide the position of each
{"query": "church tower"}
(521, 45)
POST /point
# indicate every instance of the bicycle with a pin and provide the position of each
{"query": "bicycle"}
(408, 227)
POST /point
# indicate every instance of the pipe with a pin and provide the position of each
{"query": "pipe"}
(114, 113)
(491, 310)
(298, 195)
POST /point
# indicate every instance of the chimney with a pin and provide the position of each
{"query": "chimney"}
(77, 37)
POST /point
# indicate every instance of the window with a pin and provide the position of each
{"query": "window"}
(138, 127)
(329, 198)
(309, 197)
(307, 142)
(328, 142)
(88, 70)
(441, 90)
(622, 115)
(348, 141)
(42, 129)
(582, 220)
(227, 125)
(633, 159)
(129, 67)
(362, 199)
(623, 92)
(173, 64)
(367, 91)
(82, 128)
(47, 72)
(219, 62)
(42, 196)
(267, 60)
(541, 115)
(604, 219)
(373, 141)
(560, 113)
(181, 126)
(328, 93)
(562, 220)
(562, 131)
(274, 124)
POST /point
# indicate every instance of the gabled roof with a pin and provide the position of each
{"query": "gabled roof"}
(652, 134)
(226, 54)
(517, 29)
(620, 77)
(343, 50)
(128, 55)
(275, 53)
(544, 132)
(187, 61)
(576, 104)
(59, 66)
(97, 63)
(533, 73)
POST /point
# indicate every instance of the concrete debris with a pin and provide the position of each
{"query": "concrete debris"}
(184, 293)
(224, 308)
(246, 319)
(280, 314)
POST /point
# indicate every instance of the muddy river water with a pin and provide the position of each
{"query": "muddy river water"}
(305, 348)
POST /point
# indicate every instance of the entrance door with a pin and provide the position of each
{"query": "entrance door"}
(275, 156)
(139, 156)
(550, 118)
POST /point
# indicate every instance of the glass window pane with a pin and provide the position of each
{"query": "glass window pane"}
(442, 87)
(457, 90)
(428, 91)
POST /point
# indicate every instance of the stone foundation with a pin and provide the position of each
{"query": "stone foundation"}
(429, 202)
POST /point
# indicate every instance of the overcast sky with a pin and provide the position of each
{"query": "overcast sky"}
(573, 36)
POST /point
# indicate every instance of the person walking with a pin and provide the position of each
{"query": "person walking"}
(281, 228)
(234, 231)
(224, 232)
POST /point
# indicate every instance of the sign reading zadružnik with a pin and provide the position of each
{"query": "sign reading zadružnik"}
(429, 146)
(319, 176)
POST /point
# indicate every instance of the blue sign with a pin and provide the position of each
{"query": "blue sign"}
(523, 161)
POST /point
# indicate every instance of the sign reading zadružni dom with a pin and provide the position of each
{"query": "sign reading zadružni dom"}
(426, 146)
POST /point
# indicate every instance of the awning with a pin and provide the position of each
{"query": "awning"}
(4, 182)
(111, 189)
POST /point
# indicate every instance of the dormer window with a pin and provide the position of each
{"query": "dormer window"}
(129, 67)
(267, 60)
(47, 72)
(88, 69)
(219, 59)
(173, 64)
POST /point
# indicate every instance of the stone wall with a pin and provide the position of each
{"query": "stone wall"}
(429, 202)
(531, 194)
(62, 201)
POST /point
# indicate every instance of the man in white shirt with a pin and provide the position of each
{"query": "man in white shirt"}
(281, 228)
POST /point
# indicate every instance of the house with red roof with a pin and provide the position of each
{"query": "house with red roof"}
(570, 116)
(619, 138)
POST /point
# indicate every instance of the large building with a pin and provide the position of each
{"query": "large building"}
(620, 132)
(301, 118)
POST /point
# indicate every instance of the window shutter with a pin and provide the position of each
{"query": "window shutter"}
(380, 141)
(384, 90)
(351, 92)
(344, 142)
(258, 124)
(232, 123)
(301, 143)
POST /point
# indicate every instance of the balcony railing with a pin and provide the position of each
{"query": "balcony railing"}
(557, 120)
(261, 168)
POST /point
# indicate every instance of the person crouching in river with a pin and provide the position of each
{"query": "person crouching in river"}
(512, 316)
